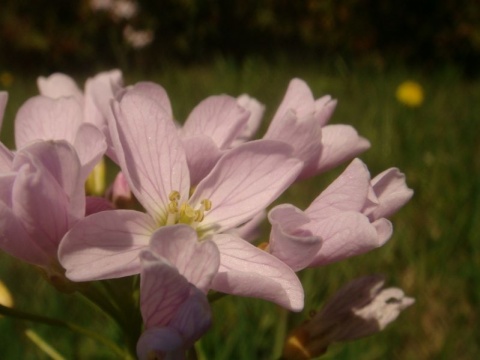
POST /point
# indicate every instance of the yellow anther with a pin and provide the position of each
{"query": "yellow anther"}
(207, 204)
(199, 215)
(174, 196)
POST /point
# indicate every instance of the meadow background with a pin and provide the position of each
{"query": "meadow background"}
(434, 254)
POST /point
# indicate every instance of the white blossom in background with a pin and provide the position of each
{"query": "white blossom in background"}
(137, 38)
(119, 9)
(99, 5)
(124, 9)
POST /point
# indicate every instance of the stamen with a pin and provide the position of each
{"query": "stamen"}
(207, 204)
(185, 213)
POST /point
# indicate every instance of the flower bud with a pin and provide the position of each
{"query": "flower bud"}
(359, 309)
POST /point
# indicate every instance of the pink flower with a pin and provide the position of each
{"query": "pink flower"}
(347, 219)
(301, 122)
(41, 198)
(176, 272)
(244, 181)
(43, 118)
(94, 103)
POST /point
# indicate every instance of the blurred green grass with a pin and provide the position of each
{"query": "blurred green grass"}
(434, 252)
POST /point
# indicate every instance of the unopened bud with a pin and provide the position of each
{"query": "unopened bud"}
(359, 309)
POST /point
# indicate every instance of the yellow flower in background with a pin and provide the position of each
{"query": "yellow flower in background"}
(6, 79)
(410, 93)
(6, 298)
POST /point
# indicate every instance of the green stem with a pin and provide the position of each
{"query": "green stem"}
(43, 345)
(64, 324)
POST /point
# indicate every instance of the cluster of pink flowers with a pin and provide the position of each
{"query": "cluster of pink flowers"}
(204, 188)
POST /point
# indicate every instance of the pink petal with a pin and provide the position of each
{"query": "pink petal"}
(3, 105)
(288, 242)
(97, 204)
(197, 261)
(244, 182)
(344, 235)
(392, 192)
(59, 85)
(149, 150)
(41, 206)
(7, 179)
(193, 318)
(256, 110)
(245, 270)
(250, 230)
(99, 90)
(299, 98)
(163, 342)
(340, 143)
(6, 159)
(106, 245)
(384, 230)
(348, 192)
(91, 146)
(43, 118)
(15, 241)
(218, 117)
(60, 160)
(324, 108)
(304, 135)
(202, 155)
(162, 290)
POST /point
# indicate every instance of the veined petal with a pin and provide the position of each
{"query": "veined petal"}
(348, 192)
(193, 318)
(246, 270)
(162, 290)
(106, 245)
(344, 235)
(244, 182)
(202, 155)
(197, 261)
(44, 118)
(218, 117)
(340, 143)
(288, 241)
(149, 150)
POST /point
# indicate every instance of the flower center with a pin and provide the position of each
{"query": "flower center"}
(185, 213)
